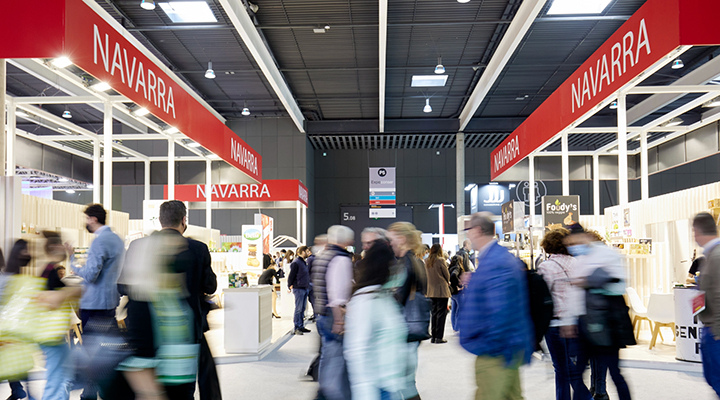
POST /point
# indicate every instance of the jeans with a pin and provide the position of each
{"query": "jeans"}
(455, 300)
(333, 374)
(598, 378)
(301, 296)
(565, 355)
(59, 372)
(439, 316)
(711, 359)
(410, 389)
(611, 361)
(86, 316)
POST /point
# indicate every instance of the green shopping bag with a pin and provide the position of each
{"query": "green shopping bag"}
(16, 360)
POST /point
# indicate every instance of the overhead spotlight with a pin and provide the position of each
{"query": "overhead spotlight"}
(613, 105)
(674, 122)
(67, 114)
(677, 64)
(193, 144)
(427, 108)
(101, 87)
(327, 27)
(246, 111)
(61, 62)
(253, 7)
(210, 74)
(463, 1)
(439, 68)
(147, 4)
(142, 111)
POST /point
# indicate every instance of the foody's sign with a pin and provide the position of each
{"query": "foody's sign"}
(560, 211)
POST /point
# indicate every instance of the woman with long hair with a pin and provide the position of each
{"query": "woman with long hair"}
(438, 291)
(405, 241)
(269, 277)
(289, 257)
(456, 271)
(375, 343)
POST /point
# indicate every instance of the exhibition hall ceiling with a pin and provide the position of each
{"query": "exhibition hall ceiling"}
(327, 53)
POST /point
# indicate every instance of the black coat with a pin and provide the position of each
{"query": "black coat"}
(299, 277)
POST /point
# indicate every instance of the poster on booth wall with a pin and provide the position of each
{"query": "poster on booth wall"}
(252, 246)
(560, 211)
(268, 234)
(513, 216)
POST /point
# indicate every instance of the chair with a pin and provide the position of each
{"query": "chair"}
(661, 313)
(638, 309)
(75, 324)
(121, 312)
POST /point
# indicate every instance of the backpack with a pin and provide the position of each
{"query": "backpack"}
(541, 305)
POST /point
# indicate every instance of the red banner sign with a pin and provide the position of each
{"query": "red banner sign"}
(271, 190)
(654, 31)
(96, 43)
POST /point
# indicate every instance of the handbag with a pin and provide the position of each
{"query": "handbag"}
(417, 314)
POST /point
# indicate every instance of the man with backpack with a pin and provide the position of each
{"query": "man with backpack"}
(495, 323)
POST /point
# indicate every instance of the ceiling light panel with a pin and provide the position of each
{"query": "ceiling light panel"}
(574, 7)
(188, 11)
(429, 80)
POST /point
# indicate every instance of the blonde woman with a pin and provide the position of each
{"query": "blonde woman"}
(405, 241)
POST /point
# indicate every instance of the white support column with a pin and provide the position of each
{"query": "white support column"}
(10, 142)
(304, 225)
(171, 169)
(596, 184)
(107, 159)
(460, 183)
(531, 182)
(644, 181)
(297, 220)
(622, 150)
(146, 181)
(565, 157)
(208, 194)
(96, 171)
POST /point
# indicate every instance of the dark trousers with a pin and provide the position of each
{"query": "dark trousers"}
(439, 315)
(16, 390)
(565, 354)
(711, 358)
(87, 316)
(301, 296)
(208, 381)
(598, 378)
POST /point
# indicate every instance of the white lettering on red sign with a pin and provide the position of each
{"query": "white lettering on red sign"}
(507, 153)
(154, 91)
(303, 195)
(243, 157)
(238, 192)
(621, 57)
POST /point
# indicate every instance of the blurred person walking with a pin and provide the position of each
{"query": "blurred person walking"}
(438, 290)
(320, 243)
(706, 236)
(332, 282)
(370, 235)
(456, 271)
(562, 336)
(604, 322)
(410, 271)
(495, 323)
(375, 330)
(464, 252)
(299, 283)
(18, 258)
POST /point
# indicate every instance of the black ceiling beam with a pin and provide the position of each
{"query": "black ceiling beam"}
(194, 27)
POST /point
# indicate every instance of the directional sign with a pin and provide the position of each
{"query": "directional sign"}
(383, 197)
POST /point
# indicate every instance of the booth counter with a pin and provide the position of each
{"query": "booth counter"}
(248, 319)
(688, 329)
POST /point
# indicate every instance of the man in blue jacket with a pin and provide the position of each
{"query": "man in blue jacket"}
(299, 283)
(495, 323)
(101, 270)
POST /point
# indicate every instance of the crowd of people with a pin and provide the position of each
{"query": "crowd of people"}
(159, 353)
(374, 309)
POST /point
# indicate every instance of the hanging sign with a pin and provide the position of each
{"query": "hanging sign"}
(270, 190)
(252, 246)
(513, 216)
(560, 211)
(383, 198)
(267, 224)
(646, 39)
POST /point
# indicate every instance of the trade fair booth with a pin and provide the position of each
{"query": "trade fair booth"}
(654, 234)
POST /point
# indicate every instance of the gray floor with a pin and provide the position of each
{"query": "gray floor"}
(445, 372)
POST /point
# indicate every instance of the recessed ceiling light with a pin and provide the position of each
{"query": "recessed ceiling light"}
(428, 80)
(62, 180)
(67, 114)
(566, 7)
(188, 11)
(193, 144)
(674, 122)
(142, 111)
(61, 62)
(319, 30)
(101, 87)
(463, 1)
(70, 191)
(613, 105)
(147, 4)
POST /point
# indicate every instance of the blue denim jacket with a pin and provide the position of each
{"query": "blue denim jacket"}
(101, 271)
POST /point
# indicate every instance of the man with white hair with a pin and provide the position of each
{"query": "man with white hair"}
(369, 235)
(332, 277)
